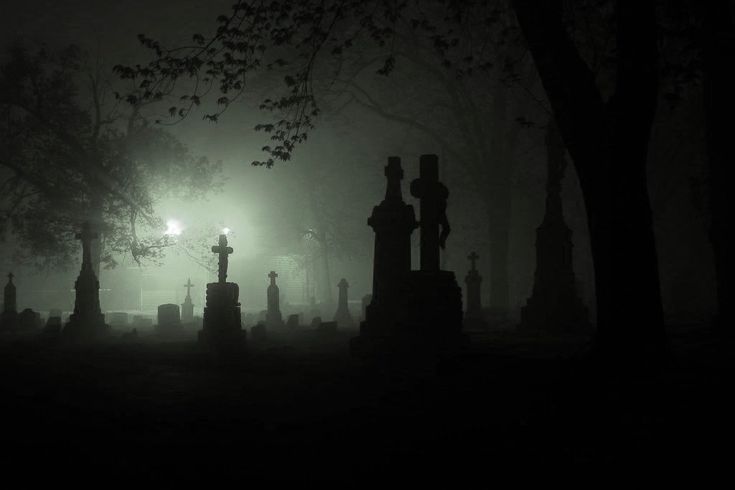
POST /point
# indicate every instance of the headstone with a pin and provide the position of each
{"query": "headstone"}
(53, 326)
(342, 316)
(9, 318)
(29, 320)
(118, 319)
(393, 221)
(316, 322)
(221, 328)
(473, 313)
(131, 335)
(169, 319)
(187, 307)
(142, 322)
(292, 322)
(273, 318)
(554, 304)
(87, 322)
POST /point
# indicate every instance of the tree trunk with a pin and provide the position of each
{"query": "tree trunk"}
(719, 97)
(608, 143)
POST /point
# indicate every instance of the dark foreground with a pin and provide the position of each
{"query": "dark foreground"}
(302, 408)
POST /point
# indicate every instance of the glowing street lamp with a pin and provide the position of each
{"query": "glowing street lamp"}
(173, 228)
(226, 230)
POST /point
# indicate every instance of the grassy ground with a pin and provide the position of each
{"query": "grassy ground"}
(301, 407)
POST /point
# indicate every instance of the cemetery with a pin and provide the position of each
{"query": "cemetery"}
(424, 241)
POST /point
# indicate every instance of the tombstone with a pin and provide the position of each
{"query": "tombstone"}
(53, 326)
(118, 319)
(169, 319)
(316, 322)
(187, 307)
(55, 312)
(424, 307)
(292, 322)
(29, 320)
(258, 333)
(473, 314)
(221, 327)
(342, 316)
(9, 318)
(554, 304)
(131, 335)
(87, 322)
(393, 222)
(365, 302)
(142, 321)
(273, 318)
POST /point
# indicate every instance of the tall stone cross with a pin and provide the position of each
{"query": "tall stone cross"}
(473, 260)
(10, 277)
(273, 276)
(86, 236)
(433, 195)
(223, 250)
(188, 287)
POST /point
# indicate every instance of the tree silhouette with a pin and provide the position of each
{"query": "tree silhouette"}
(71, 152)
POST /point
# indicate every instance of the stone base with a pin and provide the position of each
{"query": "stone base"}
(221, 326)
(429, 319)
(85, 328)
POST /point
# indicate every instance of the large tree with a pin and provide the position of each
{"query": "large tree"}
(71, 152)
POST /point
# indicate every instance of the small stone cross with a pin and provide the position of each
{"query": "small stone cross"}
(223, 250)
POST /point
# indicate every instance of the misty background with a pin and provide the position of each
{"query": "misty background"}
(336, 177)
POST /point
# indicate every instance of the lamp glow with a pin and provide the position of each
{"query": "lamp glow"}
(226, 230)
(173, 228)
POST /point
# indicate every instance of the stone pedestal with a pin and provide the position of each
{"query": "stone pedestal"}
(221, 328)
(343, 317)
(273, 317)
(187, 310)
(87, 322)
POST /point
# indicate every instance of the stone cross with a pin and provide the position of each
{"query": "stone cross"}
(86, 236)
(223, 250)
(433, 195)
(473, 260)
(188, 287)
(273, 276)
(10, 277)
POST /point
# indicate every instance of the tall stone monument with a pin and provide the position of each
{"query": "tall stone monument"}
(393, 221)
(554, 304)
(273, 318)
(342, 316)
(9, 318)
(187, 307)
(411, 310)
(473, 312)
(87, 321)
(433, 297)
(221, 327)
